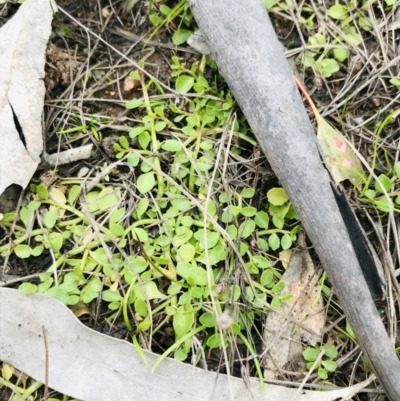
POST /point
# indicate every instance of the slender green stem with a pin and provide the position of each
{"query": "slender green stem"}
(17, 390)
(193, 173)
(177, 344)
(256, 360)
(384, 123)
(154, 140)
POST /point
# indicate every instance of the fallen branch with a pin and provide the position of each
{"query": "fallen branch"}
(65, 157)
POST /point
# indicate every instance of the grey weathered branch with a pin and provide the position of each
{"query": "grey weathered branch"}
(244, 45)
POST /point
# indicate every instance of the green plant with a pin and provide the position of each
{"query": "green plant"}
(19, 390)
(395, 81)
(321, 359)
(163, 250)
(327, 49)
(164, 16)
(389, 183)
(384, 193)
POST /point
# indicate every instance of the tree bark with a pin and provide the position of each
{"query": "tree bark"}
(243, 43)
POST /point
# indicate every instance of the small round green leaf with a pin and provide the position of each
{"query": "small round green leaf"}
(261, 261)
(337, 11)
(206, 145)
(160, 125)
(58, 293)
(205, 163)
(146, 182)
(278, 221)
(28, 288)
(180, 355)
(262, 219)
(186, 253)
(144, 139)
(370, 194)
(183, 320)
(248, 211)
(397, 165)
(266, 278)
(384, 182)
(42, 191)
(273, 242)
(331, 351)
(182, 204)
(277, 196)
(56, 241)
(278, 287)
(199, 275)
(286, 241)
(133, 104)
(117, 230)
(171, 145)
(383, 204)
(232, 231)
(134, 132)
(210, 239)
(310, 354)
(263, 244)
(73, 194)
(50, 218)
(184, 83)
(141, 307)
(34, 205)
(247, 193)
(214, 341)
(207, 319)
(37, 250)
(180, 36)
(111, 296)
(133, 159)
(185, 298)
(187, 221)
(124, 142)
(330, 366)
(322, 373)
(246, 228)
(234, 210)
(140, 234)
(23, 251)
(276, 303)
(341, 54)
(328, 66)
(148, 291)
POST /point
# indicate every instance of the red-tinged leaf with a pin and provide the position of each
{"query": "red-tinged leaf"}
(340, 158)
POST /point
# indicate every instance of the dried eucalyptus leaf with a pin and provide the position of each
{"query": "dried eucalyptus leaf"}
(23, 42)
(110, 369)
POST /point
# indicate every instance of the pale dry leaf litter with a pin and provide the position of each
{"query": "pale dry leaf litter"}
(284, 340)
(107, 369)
(23, 44)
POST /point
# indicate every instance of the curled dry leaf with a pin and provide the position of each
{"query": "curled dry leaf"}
(23, 41)
(57, 195)
(284, 257)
